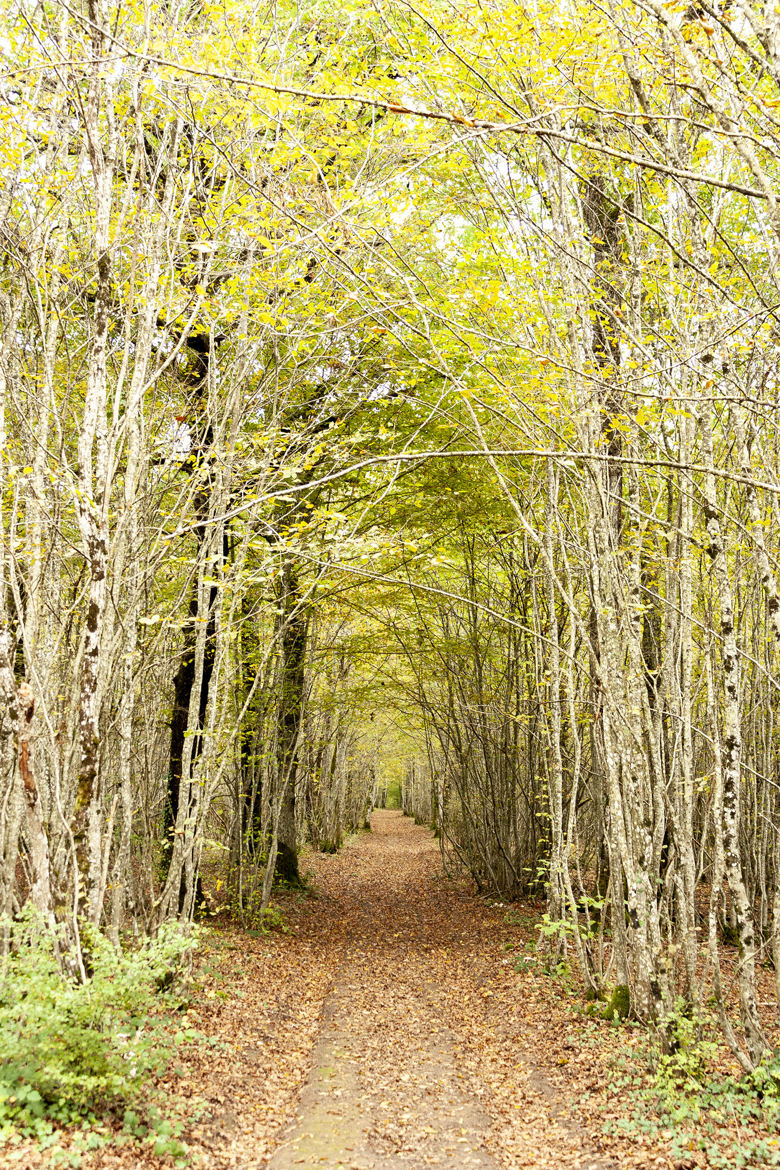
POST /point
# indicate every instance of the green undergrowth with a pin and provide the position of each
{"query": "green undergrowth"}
(257, 921)
(246, 910)
(670, 1085)
(673, 1088)
(79, 1057)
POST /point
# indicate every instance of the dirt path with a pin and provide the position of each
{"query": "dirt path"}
(389, 1024)
(413, 1066)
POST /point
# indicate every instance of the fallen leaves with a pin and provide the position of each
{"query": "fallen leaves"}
(428, 1047)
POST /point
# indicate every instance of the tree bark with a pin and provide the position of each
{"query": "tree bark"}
(193, 676)
(293, 624)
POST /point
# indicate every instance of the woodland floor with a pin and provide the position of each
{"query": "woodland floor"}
(389, 1027)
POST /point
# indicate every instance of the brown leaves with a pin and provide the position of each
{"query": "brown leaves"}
(429, 1049)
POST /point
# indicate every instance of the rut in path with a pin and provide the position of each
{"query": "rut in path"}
(403, 1071)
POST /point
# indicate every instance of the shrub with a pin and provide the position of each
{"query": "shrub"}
(73, 1050)
(685, 1057)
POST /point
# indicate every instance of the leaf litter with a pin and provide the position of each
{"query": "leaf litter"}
(387, 1027)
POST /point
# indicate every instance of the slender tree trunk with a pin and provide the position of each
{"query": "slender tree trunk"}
(293, 633)
(92, 487)
(193, 676)
(731, 757)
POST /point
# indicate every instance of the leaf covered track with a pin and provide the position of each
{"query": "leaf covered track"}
(413, 1065)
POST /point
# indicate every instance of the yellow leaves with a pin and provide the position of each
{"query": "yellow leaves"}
(621, 423)
(645, 414)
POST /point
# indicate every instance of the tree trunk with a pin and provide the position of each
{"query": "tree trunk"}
(193, 677)
(293, 623)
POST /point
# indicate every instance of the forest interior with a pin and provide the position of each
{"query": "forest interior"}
(390, 583)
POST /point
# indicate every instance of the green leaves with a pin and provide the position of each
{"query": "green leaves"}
(73, 1049)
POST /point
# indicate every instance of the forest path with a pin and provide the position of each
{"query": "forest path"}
(413, 1066)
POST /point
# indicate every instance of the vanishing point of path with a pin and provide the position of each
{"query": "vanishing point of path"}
(418, 1063)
